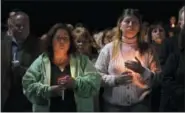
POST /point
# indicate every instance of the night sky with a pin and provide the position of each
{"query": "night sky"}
(96, 15)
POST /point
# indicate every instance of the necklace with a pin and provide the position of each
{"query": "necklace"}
(61, 69)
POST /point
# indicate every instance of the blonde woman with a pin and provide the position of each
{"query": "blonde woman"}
(129, 67)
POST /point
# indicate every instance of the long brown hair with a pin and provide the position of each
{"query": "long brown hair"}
(143, 46)
(151, 28)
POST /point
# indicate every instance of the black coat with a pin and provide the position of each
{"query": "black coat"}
(169, 45)
(6, 77)
(11, 78)
(173, 80)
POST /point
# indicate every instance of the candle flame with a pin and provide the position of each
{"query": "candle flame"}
(173, 25)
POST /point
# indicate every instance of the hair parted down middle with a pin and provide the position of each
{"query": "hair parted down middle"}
(142, 45)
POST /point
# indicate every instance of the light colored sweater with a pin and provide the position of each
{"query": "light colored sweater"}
(126, 95)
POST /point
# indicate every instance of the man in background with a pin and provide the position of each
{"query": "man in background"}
(18, 52)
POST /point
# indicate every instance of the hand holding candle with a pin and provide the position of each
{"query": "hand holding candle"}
(67, 81)
(62, 81)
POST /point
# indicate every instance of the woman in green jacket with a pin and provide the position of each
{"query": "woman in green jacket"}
(61, 80)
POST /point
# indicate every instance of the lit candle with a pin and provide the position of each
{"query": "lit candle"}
(173, 25)
(62, 91)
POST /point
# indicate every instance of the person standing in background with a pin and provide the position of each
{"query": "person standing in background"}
(172, 97)
(19, 51)
(172, 27)
(156, 35)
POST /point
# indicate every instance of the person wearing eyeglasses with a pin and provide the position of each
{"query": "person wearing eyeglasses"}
(61, 79)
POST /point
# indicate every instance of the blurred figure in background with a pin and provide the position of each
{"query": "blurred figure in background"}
(172, 98)
(85, 43)
(169, 45)
(173, 22)
(19, 50)
(70, 26)
(98, 39)
(129, 67)
(156, 35)
(172, 27)
(107, 37)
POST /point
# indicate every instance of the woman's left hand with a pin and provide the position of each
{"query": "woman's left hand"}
(68, 82)
(135, 66)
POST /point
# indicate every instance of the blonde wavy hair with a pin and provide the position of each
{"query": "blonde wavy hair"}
(81, 32)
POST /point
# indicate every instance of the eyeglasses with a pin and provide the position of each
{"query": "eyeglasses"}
(63, 39)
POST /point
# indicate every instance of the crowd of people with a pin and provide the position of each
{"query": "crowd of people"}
(132, 67)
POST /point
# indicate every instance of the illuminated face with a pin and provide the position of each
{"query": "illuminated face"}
(130, 26)
(61, 41)
(172, 20)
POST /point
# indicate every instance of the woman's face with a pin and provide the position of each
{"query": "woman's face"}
(172, 20)
(61, 41)
(82, 44)
(158, 33)
(130, 26)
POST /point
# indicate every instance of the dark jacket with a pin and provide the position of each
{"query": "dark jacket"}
(169, 45)
(173, 81)
(6, 77)
(11, 77)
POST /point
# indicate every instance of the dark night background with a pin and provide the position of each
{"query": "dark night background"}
(96, 15)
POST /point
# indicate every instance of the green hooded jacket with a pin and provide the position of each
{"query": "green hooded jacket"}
(36, 83)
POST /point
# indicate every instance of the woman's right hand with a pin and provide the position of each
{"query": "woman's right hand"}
(124, 78)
